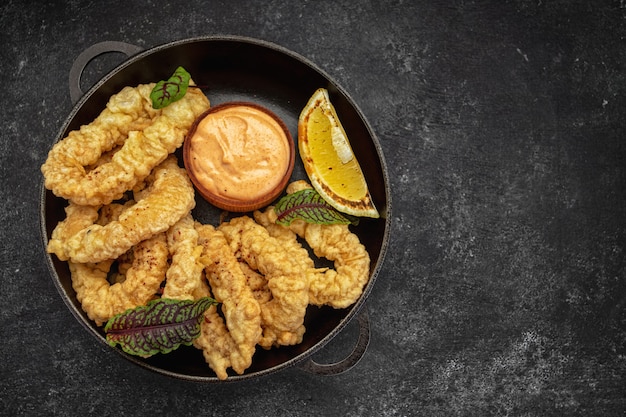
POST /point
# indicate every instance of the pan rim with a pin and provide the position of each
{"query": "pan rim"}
(386, 211)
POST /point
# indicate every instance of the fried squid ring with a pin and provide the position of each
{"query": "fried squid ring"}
(339, 287)
(146, 136)
(228, 342)
(342, 286)
(140, 283)
(168, 197)
(184, 278)
(282, 317)
(77, 218)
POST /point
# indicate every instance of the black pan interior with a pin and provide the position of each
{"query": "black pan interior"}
(235, 69)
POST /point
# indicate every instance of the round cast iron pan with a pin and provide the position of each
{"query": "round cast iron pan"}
(236, 69)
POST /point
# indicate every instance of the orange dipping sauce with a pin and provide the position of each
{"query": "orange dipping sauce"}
(239, 156)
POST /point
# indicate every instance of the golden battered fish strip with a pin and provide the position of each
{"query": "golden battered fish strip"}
(147, 137)
(217, 345)
(101, 300)
(282, 318)
(289, 241)
(257, 283)
(241, 310)
(185, 280)
(169, 197)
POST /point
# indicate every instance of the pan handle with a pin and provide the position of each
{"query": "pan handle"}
(352, 359)
(90, 53)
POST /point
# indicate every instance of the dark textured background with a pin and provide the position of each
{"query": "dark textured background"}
(504, 289)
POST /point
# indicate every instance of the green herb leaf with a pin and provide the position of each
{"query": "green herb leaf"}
(309, 206)
(170, 90)
(158, 327)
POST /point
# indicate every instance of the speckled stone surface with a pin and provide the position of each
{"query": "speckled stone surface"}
(504, 288)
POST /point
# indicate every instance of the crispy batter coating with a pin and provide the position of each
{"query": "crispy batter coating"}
(146, 137)
(101, 300)
(342, 286)
(218, 347)
(240, 330)
(77, 218)
(282, 317)
(339, 287)
(257, 283)
(185, 279)
(168, 198)
(289, 241)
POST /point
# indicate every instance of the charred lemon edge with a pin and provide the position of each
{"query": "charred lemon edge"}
(364, 207)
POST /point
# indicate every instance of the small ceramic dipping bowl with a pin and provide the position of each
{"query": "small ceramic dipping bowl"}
(239, 156)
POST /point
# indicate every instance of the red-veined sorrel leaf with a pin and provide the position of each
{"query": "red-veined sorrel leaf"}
(309, 206)
(160, 326)
(170, 90)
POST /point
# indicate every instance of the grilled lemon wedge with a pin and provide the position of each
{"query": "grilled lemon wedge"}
(329, 160)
